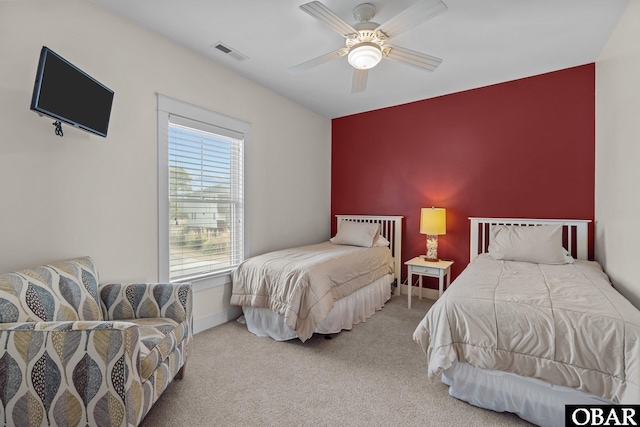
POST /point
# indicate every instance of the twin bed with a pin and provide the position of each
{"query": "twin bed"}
(323, 288)
(528, 327)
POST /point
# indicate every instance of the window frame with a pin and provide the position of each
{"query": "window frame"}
(166, 107)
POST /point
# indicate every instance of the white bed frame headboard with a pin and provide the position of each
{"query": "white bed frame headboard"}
(575, 233)
(390, 229)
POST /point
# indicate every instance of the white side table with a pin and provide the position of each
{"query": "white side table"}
(420, 267)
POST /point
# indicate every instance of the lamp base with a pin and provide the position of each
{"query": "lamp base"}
(424, 257)
(432, 248)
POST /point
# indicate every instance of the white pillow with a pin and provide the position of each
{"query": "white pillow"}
(356, 234)
(568, 259)
(381, 241)
(540, 244)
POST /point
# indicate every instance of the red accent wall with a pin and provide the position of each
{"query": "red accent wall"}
(522, 149)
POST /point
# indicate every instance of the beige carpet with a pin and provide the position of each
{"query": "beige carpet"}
(373, 375)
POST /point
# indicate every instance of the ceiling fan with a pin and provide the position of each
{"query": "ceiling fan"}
(366, 41)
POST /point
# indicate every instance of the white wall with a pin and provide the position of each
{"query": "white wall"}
(86, 195)
(617, 208)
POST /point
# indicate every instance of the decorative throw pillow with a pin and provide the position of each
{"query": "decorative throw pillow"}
(538, 244)
(356, 234)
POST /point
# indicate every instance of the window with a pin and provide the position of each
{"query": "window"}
(201, 191)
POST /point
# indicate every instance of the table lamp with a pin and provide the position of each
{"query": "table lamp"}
(433, 222)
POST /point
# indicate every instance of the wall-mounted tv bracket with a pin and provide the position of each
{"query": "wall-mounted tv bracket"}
(58, 125)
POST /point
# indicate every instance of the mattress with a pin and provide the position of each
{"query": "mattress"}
(302, 284)
(346, 313)
(561, 324)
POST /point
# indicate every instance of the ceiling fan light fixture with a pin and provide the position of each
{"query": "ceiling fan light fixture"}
(364, 55)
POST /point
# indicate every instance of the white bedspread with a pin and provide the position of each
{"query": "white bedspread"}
(302, 283)
(563, 324)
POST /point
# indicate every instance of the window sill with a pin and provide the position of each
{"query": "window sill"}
(200, 283)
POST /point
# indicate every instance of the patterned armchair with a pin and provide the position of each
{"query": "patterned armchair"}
(73, 352)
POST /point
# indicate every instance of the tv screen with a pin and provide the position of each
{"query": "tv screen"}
(68, 94)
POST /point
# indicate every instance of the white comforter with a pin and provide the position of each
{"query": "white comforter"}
(563, 324)
(302, 283)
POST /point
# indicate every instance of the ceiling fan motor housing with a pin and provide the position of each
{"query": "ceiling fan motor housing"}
(365, 48)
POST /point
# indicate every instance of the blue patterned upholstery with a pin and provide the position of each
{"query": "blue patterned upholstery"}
(79, 353)
(62, 291)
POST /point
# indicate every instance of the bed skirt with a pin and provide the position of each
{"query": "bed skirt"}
(532, 400)
(346, 312)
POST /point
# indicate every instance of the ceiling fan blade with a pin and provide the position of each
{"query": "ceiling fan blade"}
(307, 65)
(413, 58)
(324, 14)
(359, 80)
(412, 16)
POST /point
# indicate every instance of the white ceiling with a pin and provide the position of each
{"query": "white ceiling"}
(481, 42)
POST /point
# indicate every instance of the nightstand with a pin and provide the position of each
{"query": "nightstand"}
(439, 269)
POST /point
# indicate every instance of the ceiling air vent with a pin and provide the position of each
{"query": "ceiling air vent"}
(229, 51)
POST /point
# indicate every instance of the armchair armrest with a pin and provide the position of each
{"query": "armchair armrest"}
(147, 300)
(70, 373)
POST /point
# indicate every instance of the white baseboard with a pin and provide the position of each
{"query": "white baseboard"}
(216, 319)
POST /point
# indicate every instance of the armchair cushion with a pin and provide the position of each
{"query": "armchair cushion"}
(63, 291)
(159, 338)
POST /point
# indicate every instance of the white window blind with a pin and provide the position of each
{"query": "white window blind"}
(205, 198)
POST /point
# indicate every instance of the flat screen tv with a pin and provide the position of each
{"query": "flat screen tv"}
(66, 93)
